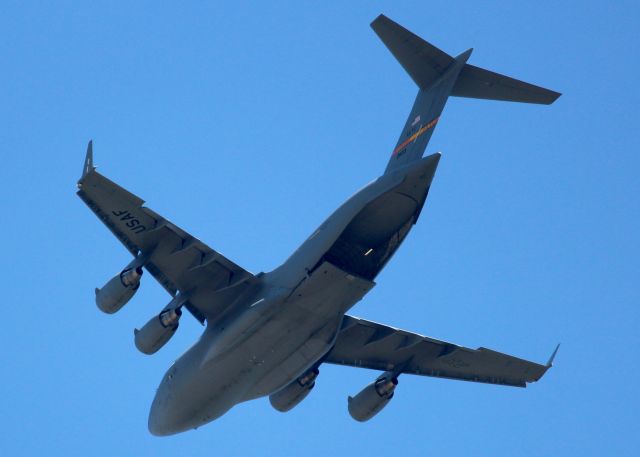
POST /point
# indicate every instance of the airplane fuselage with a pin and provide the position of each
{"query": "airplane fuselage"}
(285, 322)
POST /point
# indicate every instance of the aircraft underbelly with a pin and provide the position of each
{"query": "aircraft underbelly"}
(274, 346)
(306, 326)
(291, 336)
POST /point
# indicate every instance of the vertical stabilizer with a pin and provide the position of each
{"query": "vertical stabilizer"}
(434, 71)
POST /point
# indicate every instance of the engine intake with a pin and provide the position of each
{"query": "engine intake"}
(155, 333)
(373, 398)
(119, 290)
(289, 397)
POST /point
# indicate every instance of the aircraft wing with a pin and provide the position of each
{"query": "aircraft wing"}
(367, 344)
(176, 259)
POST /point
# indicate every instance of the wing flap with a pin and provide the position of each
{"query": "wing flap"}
(367, 344)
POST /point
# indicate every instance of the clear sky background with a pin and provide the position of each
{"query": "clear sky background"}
(247, 124)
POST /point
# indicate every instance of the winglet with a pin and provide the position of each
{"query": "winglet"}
(553, 356)
(88, 161)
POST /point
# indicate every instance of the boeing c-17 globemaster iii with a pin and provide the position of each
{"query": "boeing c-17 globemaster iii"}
(268, 333)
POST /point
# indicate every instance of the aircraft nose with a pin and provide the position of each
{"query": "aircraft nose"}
(157, 426)
(164, 415)
(166, 419)
(159, 422)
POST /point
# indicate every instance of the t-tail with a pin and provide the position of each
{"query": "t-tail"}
(439, 76)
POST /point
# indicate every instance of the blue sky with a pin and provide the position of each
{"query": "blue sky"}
(247, 124)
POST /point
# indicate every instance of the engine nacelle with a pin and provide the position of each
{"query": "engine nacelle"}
(372, 398)
(119, 290)
(288, 397)
(155, 333)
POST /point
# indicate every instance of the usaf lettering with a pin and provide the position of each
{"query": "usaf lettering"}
(132, 223)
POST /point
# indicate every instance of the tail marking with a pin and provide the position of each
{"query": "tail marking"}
(415, 136)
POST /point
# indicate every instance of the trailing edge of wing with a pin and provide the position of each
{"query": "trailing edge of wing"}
(367, 344)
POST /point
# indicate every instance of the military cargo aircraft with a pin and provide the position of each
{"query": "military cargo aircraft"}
(268, 333)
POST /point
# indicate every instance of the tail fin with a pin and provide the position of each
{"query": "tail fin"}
(439, 75)
(434, 71)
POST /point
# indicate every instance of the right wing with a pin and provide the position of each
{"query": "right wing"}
(176, 259)
(367, 344)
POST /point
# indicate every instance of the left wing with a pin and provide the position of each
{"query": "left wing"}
(367, 344)
(176, 259)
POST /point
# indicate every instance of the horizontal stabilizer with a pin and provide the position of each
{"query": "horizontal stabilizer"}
(475, 82)
(424, 62)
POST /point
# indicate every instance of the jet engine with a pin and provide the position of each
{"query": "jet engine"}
(288, 397)
(373, 398)
(155, 333)
(119, 290)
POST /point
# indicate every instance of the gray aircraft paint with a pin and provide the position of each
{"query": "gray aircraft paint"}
(265, 331)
